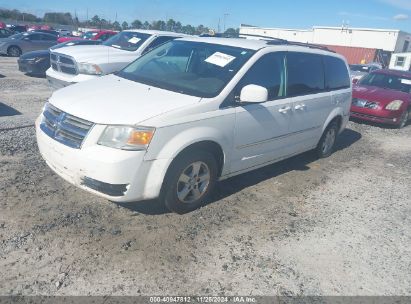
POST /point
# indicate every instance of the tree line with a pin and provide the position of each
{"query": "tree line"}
(97, 22)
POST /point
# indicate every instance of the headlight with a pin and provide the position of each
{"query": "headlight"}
(36, 60)
(126, 137)
(89, 68)
(394, 105)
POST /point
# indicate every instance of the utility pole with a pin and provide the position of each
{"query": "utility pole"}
(225, 17)
(218, 27)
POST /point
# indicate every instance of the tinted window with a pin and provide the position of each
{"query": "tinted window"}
(49, 37)
(267, 72)
(336, 73)
(387, 81)
(35, 37)
(305, 74)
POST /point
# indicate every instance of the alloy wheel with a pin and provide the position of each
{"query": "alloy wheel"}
(193, 182)
(329, 140)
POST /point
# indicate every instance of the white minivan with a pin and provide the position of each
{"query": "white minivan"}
(192, 112)
(85, 62)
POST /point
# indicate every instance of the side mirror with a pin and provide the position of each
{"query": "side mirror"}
(254, 94)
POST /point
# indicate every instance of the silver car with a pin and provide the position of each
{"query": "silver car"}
(21, 43)
(358, 71)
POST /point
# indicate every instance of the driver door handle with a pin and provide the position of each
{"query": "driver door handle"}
(300, 107)
(284, 110)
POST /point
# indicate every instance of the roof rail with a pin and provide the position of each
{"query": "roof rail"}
(310, 45)
(278, 41)
(266, 38)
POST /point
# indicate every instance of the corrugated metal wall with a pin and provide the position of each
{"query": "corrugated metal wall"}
(355, 55)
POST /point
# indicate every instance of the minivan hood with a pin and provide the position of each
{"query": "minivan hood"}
(381, 95)
(114, 100)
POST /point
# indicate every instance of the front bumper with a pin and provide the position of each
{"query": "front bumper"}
(117, 175)
(58, 80)
(377, 115)
(30, 67)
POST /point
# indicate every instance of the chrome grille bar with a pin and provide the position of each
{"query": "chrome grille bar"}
(63, 63)
(64, 128)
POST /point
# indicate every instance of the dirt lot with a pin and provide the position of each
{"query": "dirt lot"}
(338, 226)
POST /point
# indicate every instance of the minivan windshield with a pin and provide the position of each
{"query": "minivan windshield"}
(188, 67)
(128, 41)
(387, 81)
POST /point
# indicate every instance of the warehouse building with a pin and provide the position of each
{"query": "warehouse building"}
(358, 45)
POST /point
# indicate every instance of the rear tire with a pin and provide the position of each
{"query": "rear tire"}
(326, 144)
(14, 51)
(404, 118)
(190, 181)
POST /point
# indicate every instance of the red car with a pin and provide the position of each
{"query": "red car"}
(383, 96)
(92, 35)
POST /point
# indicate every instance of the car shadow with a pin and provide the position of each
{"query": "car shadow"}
(238, 183)
(6, 110)
(35, 75)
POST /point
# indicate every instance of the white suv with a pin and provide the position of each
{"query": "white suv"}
(85, 62)
(191, 112)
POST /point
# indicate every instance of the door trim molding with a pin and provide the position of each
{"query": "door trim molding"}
(277, 137)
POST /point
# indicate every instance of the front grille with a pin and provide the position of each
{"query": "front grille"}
(62, 63)
(362, 103)
(64, 128)
(371, 105)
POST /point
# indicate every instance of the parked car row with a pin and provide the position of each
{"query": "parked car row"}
(36, 63)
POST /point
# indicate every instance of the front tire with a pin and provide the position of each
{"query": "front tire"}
(404, 118)
(14, 51)
(326, 144)
(190, 181)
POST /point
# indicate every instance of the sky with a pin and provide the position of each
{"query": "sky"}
(299, 14)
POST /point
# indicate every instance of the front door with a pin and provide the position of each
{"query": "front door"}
(261, 130)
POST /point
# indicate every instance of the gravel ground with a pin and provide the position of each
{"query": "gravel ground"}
(337, 226)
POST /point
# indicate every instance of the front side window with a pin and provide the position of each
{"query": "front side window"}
(188, 67)
(48, 37)
(305, 74)
(35, 37)
(336, 74)
(127, 41)
(268, 72)
(158, 41)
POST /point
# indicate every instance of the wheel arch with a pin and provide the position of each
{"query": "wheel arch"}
(16, 46)
(335, 116)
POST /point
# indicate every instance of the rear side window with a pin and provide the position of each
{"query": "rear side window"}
(49, 37)
(305, 74)
(336, 74)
